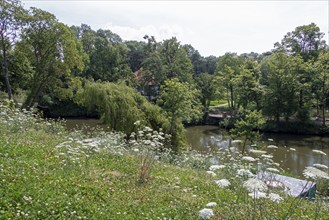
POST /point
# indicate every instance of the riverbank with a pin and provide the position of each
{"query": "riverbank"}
(48, 172)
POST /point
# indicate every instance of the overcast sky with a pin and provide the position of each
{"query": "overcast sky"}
(211, 27)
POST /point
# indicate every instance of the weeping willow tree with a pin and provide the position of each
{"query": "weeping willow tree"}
(121, 106)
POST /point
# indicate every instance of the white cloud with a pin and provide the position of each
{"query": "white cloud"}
(212, 27)
(159, 32)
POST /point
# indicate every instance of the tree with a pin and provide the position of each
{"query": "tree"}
(52, 50)
(11, 19)
(247, 127)
(180, 102)
(322, 81)
(281, 90)
(211, 62)
(249, 91)
(121, 106)
(198, 62)
(228, 70)
(136, 54)
(305, 40)
(206, 84)
(176, 63)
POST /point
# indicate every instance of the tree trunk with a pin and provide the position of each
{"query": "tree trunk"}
(5, 68)
(317, 106)
(324, 112)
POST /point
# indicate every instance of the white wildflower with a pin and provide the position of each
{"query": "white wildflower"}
(272, 147)
(292, 149)
(319, 152)
(206, 213)
(245, 173)
(148, 129)
(254, 184)
(276, 164)
(267, 156)
(257, 151)
(137, 123)
(236, 141)
(212, 173)
(275, 197)
(247, 158)
(257, 195)
(314, 173)
(320, 166)
(274, 170)
(223, 183)
(211, 204)
(216, 167)
(27, 198)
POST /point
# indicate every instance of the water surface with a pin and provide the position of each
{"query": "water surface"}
(294, 152)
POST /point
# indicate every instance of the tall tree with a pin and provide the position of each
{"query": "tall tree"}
(206, 84)
(228, 70)
(52, 50)
(249, 91)
(321, 79)
(11, 19)
(198, 62)
(180, 102)
(281, 90)
(175, 61)
(305, 40)
(136, 54)
(210, 62)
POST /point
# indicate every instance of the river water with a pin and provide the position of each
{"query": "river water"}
(294, 152)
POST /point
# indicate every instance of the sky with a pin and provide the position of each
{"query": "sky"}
(211, 27)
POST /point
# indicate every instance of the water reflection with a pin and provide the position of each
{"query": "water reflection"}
(294, 152)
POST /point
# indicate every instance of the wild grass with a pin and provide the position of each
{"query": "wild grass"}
(49, 173)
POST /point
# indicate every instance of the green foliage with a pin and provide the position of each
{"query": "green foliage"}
(248, 127)
(228, 70)
(281, 91)
(12, 19)
(206, 84)
(249, 91)
(305, 40)
(180, 100)
(321, 81)
(121, 106)
(52, 50)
